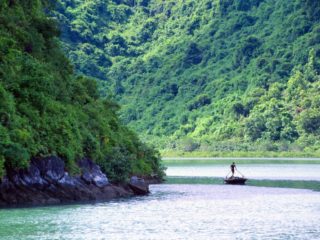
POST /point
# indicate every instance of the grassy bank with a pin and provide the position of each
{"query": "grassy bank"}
(227, 161)
(236, 154)
(298, 184)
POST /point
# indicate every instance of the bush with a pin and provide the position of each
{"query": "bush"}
(117, 164)
(199, 102)
(239, 109)
(188, 145)
(247, 50)
(310, 121)
(16, 156)
(254, 127)
(193, 55)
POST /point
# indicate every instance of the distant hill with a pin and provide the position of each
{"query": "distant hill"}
(215, 75)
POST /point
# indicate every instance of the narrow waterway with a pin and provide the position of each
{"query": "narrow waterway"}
(251, 171)
(182, 209)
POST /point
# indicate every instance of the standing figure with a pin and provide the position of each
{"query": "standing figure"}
(233, 168)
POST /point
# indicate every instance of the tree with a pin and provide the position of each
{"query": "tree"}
(193, 55)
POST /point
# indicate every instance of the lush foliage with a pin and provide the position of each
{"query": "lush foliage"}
(46, 110)
(212, 75)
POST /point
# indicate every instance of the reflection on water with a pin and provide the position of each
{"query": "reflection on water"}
(251, 171)
(302, 184)
(195, 205)
(176, 212)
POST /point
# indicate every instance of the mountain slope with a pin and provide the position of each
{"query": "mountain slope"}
(190, 74)
(47, 111)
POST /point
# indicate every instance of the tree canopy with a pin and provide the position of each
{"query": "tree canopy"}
(46, 110)
(211, 71)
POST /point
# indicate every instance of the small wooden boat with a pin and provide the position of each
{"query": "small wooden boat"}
(235, 180)
(139, 186)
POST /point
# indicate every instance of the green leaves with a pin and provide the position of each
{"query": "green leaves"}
(16, 156)
(288, 112)
(172, 65)
(309, 121)
(46, 110)
(199, 101)
(193, 55)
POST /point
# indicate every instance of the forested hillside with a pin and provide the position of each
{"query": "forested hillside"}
(46, 111)
(207, 74)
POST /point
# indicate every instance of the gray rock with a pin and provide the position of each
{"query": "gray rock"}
(67, 181)
(139, 186)
(100, 180)
(137, 181)
(91, 173)
(51, 168)
(32, 177)
(46, 182)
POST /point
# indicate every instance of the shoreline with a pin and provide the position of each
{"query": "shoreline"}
(236, 154)
(124, 189)
(244, 158)
(46, 182)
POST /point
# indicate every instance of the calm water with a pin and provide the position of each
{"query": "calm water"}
(252, 171)
(182, 211)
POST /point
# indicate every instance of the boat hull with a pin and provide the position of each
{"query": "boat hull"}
(235, 181)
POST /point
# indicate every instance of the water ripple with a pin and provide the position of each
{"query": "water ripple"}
(173, 211)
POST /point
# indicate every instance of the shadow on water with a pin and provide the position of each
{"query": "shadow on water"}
(300, 184)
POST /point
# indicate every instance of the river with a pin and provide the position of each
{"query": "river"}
(281, 201)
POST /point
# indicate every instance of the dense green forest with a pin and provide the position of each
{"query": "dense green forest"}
(46, 110)
(214, 75)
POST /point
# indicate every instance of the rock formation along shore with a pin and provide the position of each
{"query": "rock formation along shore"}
(47, 182)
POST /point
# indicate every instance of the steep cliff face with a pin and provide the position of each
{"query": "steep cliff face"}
(45, 110)
(198, 72)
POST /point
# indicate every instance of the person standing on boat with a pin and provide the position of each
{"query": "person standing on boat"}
(233, 168)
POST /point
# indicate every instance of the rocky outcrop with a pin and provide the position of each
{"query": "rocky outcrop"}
(47, 182)
(139, 186)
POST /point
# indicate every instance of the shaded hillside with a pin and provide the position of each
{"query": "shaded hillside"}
(191, 73)
(46, 111)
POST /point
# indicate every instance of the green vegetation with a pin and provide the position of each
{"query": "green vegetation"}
(299, 184)
(191, 161)
(45, 110)
(217, 76)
